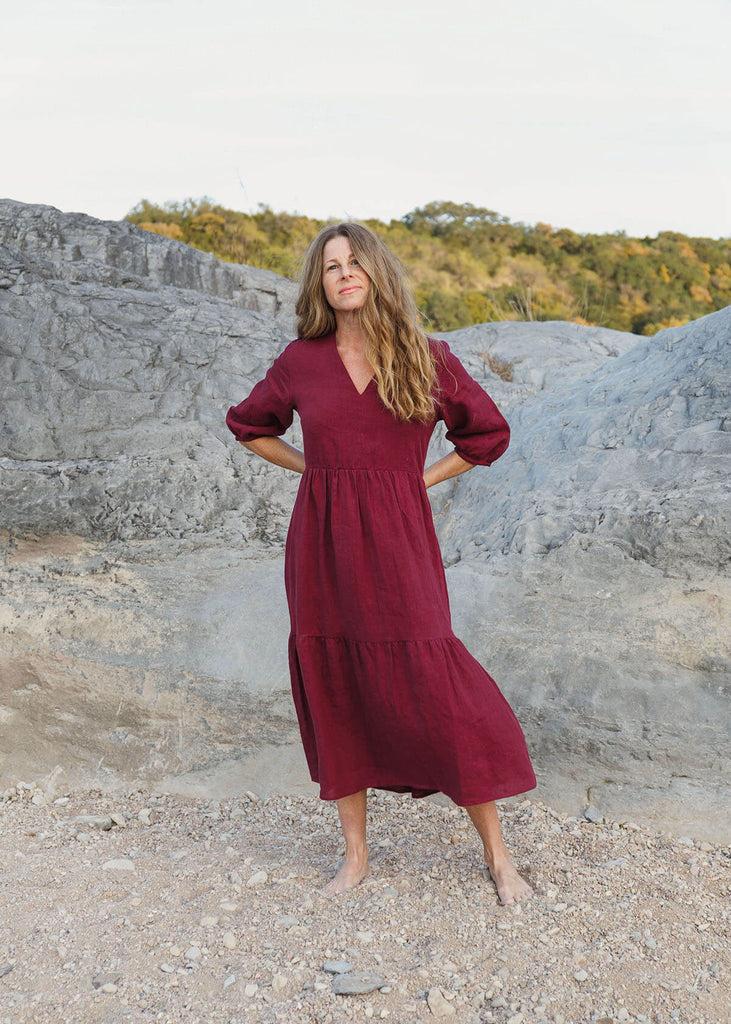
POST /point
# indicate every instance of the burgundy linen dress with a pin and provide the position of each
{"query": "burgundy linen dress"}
(386, 695)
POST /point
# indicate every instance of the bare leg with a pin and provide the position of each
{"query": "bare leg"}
(352, 811)
(511, 888)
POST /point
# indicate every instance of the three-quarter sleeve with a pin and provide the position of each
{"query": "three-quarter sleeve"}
(475, 425)
(268, 411)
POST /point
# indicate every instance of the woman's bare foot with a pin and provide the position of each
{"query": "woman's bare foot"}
(352, 871)
(511, 888)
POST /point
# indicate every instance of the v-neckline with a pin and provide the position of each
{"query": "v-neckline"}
(347, 371)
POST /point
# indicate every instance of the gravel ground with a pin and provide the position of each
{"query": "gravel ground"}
(169, 909)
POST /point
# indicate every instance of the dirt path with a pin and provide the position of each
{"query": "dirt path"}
(210, 913)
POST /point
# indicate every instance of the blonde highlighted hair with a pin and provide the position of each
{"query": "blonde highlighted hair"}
(396, 346)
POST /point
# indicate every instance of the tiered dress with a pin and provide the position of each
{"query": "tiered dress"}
(386, 695)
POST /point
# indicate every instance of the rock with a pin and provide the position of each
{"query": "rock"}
(167, 969)
(438, 1004)
(258, 878)
(229, 980)
(144, 816)
(209, 921)
(100, 980)
(580, 975)
(118, 819)
(251, 990)
(365, 937)
(228, 940)
(55, 784)
(119, 864)
(356, 983)
(593, 814)
(192, 954)
(102, 822)
(337, 966)
(279, 983)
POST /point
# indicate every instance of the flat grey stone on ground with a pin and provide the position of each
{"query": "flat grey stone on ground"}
(119, 864)
(337, 966)
(356, 983)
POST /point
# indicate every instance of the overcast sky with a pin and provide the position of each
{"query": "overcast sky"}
(599, 115)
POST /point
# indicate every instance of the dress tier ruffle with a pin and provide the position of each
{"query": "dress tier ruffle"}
(386, 695)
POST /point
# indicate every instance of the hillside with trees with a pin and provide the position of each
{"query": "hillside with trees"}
(470, 265)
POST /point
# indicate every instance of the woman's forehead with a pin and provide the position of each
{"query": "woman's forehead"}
(338, 246)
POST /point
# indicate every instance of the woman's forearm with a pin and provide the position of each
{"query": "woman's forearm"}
(275, 450)
(451, 465)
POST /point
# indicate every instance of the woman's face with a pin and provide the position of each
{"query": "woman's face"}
(344, 281)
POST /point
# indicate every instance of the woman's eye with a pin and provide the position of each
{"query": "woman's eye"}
(355, 263)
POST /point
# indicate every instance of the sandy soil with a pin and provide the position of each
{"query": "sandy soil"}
(210, 912)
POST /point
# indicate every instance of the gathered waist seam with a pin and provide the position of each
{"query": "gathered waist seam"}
(363, 469)
(444, 638)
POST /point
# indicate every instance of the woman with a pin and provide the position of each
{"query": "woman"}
(386, 695)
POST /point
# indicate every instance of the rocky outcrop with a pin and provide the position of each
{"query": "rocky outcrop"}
(77, 249)
(144, 617)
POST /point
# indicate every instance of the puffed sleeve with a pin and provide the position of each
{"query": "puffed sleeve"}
(475, 425)
(267, 412)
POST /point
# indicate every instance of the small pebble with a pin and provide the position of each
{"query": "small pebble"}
(580, 975)
(251, 989)
(258, 878)
(102, 822)
(438, 1004)
(357, 983)
(229, 940)
(337, 966)
(119, 864)
(100, 980)
(593, 814)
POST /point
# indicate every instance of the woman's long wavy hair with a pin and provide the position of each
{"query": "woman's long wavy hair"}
(396, 346)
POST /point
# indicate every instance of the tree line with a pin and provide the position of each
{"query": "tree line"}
(470, 265)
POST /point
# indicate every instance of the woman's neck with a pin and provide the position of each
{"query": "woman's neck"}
(349, 332)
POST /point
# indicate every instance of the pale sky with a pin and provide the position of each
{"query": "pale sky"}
(598, 115)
